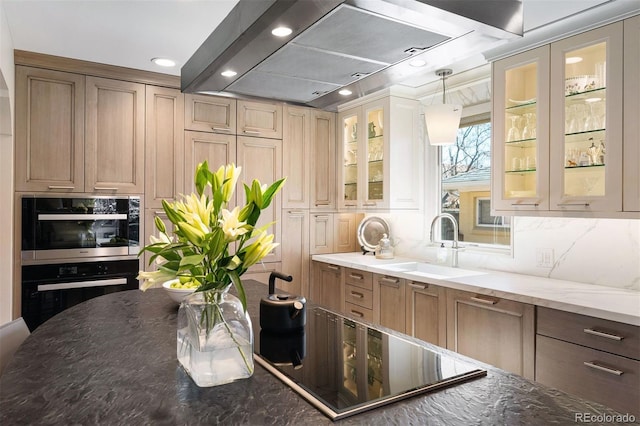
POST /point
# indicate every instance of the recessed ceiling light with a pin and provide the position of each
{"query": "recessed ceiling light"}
(228, 73)
(164, 62)
(418, 63)
(345, 92)
(573, 59)
(281, 31)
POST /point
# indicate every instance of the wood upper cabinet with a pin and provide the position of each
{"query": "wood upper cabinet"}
(496, 331)
(114, 136)
(210, 114)
(631, 118)
(260, 119)
(323, 164)
(216, 149)
(295, 251)
(296, 156)
(164, 146)
(49, 130)
(261, 159)
(426, 312)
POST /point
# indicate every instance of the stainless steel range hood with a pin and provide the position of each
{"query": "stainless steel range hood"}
(361, 45)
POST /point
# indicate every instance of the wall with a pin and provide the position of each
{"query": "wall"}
(594, 251)
(7, 85)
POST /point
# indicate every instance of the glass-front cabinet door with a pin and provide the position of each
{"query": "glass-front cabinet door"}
(374, 117)
(350, 129)
(586, 121)
(520, 132)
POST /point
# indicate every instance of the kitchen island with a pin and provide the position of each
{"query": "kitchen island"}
(112, 360)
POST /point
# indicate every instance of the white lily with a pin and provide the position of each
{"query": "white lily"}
(232, 227)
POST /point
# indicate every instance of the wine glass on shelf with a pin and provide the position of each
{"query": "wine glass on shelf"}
(514, 133)
(529, 130)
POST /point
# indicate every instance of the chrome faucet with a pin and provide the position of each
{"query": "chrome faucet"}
(454, 247)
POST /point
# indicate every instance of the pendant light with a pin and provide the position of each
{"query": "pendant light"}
(442, 120)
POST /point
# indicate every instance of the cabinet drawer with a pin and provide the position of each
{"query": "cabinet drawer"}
(602, 377)
(358, 311)
(358, 296)
(615, 337)
(359, 278)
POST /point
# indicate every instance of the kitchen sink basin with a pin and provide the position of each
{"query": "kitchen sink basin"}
(428, 270)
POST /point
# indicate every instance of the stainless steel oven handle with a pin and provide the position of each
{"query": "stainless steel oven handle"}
(82, 284)
(72, 216)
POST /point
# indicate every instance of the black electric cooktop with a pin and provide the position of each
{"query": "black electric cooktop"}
(344, 367)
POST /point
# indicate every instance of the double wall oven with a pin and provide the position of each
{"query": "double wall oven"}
(74, 249)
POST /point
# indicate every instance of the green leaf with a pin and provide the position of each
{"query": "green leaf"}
(256, 193)
(237, 283)
(271, 191)
(195, 259)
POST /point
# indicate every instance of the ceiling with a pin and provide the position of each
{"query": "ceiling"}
(130, 33)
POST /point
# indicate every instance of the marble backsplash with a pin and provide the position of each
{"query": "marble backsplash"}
(594, 251)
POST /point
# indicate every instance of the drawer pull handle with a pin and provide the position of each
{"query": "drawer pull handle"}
(104, 188)
(251, 132)
(371, 204)
(418, 286)
(574, 204)
(356, 276)
(525, 204)
(357, 295)
(220, 129)
(356, 313)
(605, 369)
(322, 203)
(603, 334)
(483, 300)
(388, 280)
(60, 187)
(334, 267)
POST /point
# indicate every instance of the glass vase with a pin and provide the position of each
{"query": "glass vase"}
(215, 338)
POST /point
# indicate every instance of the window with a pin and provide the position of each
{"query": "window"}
(466, 188)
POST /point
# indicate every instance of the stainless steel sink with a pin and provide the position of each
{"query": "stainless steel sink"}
(428, 270)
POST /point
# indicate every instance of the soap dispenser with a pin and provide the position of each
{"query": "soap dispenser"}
(441, 255)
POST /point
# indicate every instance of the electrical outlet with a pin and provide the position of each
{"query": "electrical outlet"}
(544, 257)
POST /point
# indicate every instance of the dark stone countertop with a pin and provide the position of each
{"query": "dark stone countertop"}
(112, 361)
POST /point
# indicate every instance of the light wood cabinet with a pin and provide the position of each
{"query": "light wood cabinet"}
(558, 127)
(333, 232)
(295, 252)
(358, 294)
(327, 286)
(260, 119)
(261, 159)
(631, 118)
(296, 157)
(389, 302)
(426, 312)
(216, 149)
(370, 174)
(323, 160)
(496, 331)
(114, 136)
(164, 146)
(49, 130)
(210, 114)
(589, 357)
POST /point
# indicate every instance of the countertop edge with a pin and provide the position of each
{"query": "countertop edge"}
(575, 297)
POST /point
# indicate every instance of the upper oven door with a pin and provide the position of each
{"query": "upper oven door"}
(70, 227)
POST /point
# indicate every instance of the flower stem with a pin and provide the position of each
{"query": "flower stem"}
(244, 357)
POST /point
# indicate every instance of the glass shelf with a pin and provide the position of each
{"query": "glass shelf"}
(584, 167)
(586, 132)
(521, 108)
(523, 143)
(520, 171)
(581, 96)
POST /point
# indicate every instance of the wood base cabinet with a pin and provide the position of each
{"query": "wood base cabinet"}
(589, 357)
(327, 286)
(389, 301)
(496, 331)
(426, 312)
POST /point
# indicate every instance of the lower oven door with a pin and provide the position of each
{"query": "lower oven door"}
(50, 289)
